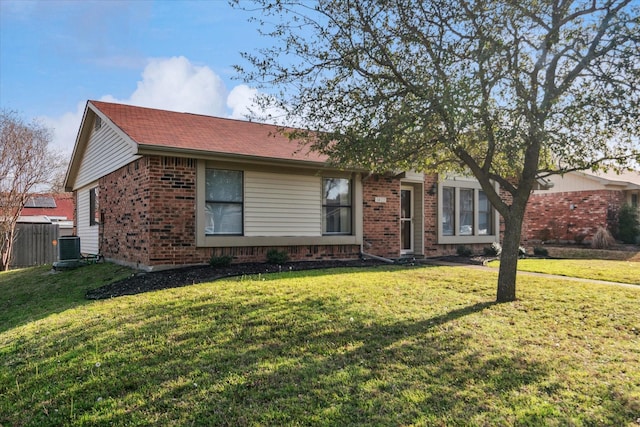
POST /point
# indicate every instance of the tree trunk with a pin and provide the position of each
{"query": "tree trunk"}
(509, 259)
(6, 249)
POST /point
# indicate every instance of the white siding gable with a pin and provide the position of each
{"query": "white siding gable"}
(572, 182)
(107, 150)
(282, 205)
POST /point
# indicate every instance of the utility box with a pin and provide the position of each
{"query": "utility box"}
(69, 248)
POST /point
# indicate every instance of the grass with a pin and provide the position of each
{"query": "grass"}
(383, 346)
(613, 271)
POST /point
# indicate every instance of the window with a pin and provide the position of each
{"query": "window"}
(94, 211)
(485, 214)
(448, 210)
(634, 200)
(97, 124)
(465, 213)
(336, 206)
(224, 202)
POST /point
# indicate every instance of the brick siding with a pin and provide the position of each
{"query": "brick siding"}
(148, 219)
(381, 229)
(551, 217)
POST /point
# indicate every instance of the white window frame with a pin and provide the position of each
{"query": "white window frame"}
(326, 206)
(229, 202)
(458, 183)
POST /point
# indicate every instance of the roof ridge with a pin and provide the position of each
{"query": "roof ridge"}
(162, 110)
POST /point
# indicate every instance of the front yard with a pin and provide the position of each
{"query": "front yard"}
(613, 271)
(376, 346)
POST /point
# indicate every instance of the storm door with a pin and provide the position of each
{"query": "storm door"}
(406, 220)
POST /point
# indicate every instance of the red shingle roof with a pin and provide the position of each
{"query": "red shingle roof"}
(64, 207)
(185, 131)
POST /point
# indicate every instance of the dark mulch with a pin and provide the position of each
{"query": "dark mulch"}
(144, 282)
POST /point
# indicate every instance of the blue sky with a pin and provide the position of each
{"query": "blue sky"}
(177, 55)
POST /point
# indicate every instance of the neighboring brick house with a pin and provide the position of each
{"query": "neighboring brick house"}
(578, 203)
(156, 189)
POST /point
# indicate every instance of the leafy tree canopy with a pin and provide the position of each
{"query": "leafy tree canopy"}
(511, 91)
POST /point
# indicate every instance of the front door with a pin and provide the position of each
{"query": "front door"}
(406, 220)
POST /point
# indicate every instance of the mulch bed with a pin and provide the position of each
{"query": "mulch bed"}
(145, 282)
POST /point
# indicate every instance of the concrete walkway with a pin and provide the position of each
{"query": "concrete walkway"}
(530, 273)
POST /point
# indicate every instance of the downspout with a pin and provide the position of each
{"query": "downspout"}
(376, 257)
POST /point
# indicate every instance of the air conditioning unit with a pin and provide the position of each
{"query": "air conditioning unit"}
(69, 248)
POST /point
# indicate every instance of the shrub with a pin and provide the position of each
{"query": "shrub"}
(220, 261)
(579, 238)
(538, 251)
(494, 250)
(522, 252)
(628, 224)
(602, 239)
(275, 256)
(464, 251)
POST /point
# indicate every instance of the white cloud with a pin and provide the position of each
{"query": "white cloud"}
(170, 84)
(240, 101)
(65, 129)
(178, 85)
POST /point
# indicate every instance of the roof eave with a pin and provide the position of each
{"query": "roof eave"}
(146, 149)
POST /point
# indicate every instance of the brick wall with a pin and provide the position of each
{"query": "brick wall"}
(172, 220)
(431, 246)
(381, 229)
(124, 207)
(148, 211)
(570, 216)
(296, 253)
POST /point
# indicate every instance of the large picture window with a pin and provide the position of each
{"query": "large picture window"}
(224, 202)
(466, 215)
(336, 206)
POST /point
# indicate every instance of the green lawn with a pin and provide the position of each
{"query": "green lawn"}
(382, 346)
(614, 271)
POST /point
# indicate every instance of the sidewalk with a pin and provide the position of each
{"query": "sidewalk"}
(528, 273)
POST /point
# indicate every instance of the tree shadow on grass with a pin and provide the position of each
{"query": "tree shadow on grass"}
(292, 362)
(283, 358)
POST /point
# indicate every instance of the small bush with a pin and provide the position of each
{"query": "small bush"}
(538, 251)
(579, 238)
(628, 224)
(275, 256)
(602, 239)
(494, 250)
(464, 251)
(220, 261)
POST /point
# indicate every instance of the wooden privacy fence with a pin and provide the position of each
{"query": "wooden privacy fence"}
(36, 244)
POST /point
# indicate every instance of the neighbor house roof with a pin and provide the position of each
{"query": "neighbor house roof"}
(627, 180)
(51, 205)
(168, 130)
